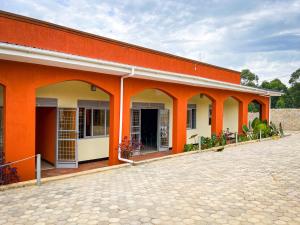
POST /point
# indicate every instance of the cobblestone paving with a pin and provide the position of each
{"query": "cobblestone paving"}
(250, 184)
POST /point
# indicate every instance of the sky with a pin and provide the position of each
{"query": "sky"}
(260, 35)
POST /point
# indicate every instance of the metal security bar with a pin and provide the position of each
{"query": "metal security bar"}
(67, 136)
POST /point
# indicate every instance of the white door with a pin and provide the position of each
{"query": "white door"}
(67, 138)
(163, 130)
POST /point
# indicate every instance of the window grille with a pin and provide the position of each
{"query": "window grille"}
(67, 134)
(191, 116)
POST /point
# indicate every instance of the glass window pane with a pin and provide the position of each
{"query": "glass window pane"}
(194, 118)
(88, 122)
(107, 122)
(188, 119)
(98, 122)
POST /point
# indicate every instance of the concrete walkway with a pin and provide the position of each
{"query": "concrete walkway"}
(249, 184)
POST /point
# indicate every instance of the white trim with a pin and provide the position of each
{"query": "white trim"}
(58, 59)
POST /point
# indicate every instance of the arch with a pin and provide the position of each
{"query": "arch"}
(207, 94)
(151, 119)
(61, 80)
(231, 107)
(256, 109)
(77, 104)
(199, 116)
(137, 91)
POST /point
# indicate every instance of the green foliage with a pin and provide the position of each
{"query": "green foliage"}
(274, 130)
(253, 107)
(290, 97)
(295, 77)
(213, 141)
(243, 138)
(248, 78)
(255, 122)
(190, 147)
(281, 130)
(294, 92)
(245, 129)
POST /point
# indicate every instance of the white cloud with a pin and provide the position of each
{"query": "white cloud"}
(259, 35)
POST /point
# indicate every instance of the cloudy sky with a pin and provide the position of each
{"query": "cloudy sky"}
(263, 36)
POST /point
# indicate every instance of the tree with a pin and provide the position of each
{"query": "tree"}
(295, 77)
(294, 90)
(248, 78)
(275, 85)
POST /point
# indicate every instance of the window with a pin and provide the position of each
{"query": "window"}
(93, 122)
(209, 114)
(191, 116)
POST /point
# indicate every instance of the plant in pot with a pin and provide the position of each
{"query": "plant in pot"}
(129, 147)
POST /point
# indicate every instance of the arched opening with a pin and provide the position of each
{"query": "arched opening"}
(151, 120)
(199, 117)
(1, 124)
(72, 124)
(254, 111)
(231, 115)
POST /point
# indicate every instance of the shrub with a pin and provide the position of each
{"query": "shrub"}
(128, 147)
(8, 174)
(243, 138)
(281, 130)
(190, 147)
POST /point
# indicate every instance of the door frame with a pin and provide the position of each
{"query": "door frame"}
(67, 164)
(150, 105)
(50, 103)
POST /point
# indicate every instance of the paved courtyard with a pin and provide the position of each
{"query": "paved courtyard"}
(250, 184)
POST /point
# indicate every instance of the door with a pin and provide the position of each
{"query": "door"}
(135, 130)
(163, 130)
(67, 138)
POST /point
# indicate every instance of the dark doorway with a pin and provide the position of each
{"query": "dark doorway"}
(149, 129)
(45, 133)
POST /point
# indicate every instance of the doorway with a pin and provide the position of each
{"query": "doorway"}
(149, 129)
(150, 126)
(45, 140)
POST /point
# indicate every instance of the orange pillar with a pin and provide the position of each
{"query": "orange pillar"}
(114, 129)
(243, 115)
(19, 127)
(126, 114)
(179, 124)
(217, 117)
(265, 110)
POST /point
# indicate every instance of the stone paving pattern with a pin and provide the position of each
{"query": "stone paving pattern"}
(249, 184)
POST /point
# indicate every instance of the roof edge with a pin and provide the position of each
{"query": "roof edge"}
(102, 38)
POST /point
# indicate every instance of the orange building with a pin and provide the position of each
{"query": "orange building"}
(71, 96)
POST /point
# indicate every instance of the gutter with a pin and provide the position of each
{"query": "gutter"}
(131, 74)
(21, 53)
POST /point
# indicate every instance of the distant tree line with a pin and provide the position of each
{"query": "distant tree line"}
(291, 96)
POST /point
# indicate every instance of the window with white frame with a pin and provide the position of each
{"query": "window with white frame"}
(93, 120)
(191, 116)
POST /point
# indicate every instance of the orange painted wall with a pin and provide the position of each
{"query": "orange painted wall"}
(29, 32)
(21, 81)
(45, 141)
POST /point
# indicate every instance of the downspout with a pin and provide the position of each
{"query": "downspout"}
(121, 115)
(270, 109)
